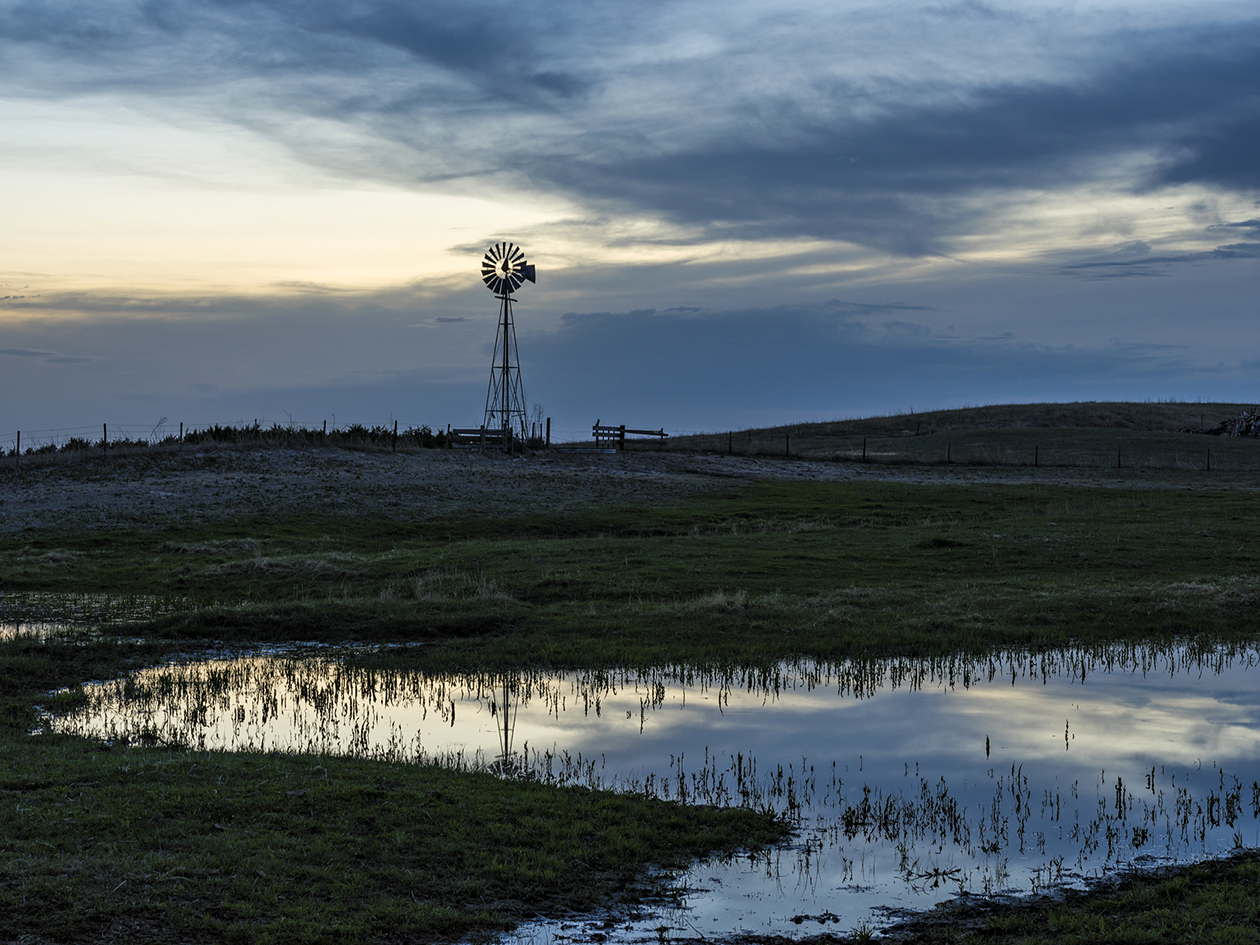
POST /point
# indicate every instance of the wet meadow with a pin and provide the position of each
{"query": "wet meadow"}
(128, 641)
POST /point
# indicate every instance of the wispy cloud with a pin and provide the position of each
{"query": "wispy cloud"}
(1139, 261)
(47, 357)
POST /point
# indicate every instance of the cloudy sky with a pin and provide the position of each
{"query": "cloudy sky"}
(741, 212)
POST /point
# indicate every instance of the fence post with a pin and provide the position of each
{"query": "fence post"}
(17, 454)
(394, 444)
(948, 457)
(548, 431)
(863, 449)
(483, 438)
(105, 438)
(181, 433)
(1118, 451)
(1036, 455)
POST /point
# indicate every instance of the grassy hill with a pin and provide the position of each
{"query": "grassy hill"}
(1086, 434)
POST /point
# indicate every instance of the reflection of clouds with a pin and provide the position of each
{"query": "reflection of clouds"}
(1113, 717)
(912, 733)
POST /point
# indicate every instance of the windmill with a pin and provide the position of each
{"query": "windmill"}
(503, 270)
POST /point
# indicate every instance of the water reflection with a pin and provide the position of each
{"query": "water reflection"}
(909, 781)
(18, 629)
(52, 616)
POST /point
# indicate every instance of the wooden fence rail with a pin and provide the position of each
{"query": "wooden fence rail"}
(616, 436)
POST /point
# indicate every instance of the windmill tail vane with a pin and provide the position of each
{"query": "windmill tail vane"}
(504, 270)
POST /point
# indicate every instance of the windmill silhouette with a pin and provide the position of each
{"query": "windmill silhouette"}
(503, 270)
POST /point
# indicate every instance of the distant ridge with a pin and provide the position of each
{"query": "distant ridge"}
(1157, 416)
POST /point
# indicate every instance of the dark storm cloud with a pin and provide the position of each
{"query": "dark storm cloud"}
(454, 89)
(168, 45)
(364, 360)
(676, 369)
(894, 180)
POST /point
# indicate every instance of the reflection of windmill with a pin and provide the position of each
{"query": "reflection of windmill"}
(503, 270)
(506, 728)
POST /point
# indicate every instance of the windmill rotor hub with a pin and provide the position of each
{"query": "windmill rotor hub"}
(504, 268)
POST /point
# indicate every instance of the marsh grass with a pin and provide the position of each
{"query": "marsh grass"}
(756, 574)
(101, 841)
(448, 584)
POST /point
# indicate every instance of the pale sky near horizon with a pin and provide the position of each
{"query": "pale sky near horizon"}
(741, 213)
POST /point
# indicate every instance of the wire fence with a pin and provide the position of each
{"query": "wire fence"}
(1098, 448)
(68, 443)
(1087, 448)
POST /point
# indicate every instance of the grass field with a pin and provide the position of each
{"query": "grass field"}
(751, 574)
(151, 843)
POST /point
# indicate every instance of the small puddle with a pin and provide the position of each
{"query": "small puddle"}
(910, 781)
(52, 616)
(37, 630)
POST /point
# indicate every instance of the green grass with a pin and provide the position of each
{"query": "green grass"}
(1208, 903)
(149, 843)
(752, 575)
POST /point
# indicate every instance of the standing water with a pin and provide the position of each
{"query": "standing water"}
(909, 781)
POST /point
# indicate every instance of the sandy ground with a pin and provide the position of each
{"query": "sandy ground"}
(218, 482)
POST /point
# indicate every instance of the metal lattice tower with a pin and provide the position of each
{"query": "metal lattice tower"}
(503, 270)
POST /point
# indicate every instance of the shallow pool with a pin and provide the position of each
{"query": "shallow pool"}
(910, 781)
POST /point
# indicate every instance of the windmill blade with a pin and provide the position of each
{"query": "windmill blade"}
(515, 282)
(517, 254)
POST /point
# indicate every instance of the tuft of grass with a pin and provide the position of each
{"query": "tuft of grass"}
(1207, 902)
